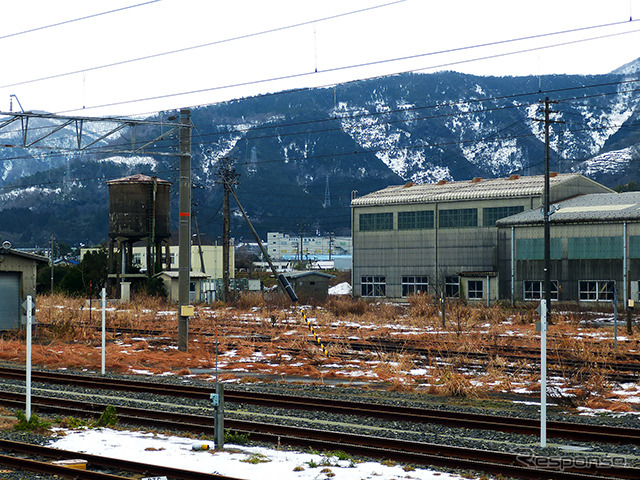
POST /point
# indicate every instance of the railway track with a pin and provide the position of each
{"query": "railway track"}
(23, 454)
(524, 466)
(523, 426)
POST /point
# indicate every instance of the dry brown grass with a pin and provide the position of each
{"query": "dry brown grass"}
(278, 332)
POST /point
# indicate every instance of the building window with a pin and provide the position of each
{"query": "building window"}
(459, 218)
(412, 285)
(491, 214)
(421, 220)
(374, 286)
(371, 222)
(452, 286)
(534, 289)
(475, 289)
(596, 290)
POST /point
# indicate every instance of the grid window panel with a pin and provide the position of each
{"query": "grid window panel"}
(372, 222)
(374, 286)
(534, 289)
(596, 290)
(452, 286)
(458, 218)
(420, 220)
(414, 284)
(606, 290)
(476, 289)
(491, 214)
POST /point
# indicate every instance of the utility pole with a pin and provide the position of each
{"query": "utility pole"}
(227, 176)
(184, 231)
(301, 246)
(330, 245)
(546, 204)
(195, 223)
(51, 258)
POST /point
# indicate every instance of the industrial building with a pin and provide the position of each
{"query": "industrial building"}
(17, 280)
(595, 250)
(442, 238)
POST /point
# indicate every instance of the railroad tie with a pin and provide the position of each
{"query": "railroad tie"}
(318, 341)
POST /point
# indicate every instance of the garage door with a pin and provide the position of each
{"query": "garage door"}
(9, 300)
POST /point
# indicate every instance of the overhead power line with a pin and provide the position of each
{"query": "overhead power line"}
(203, 45)
(73, 20)
(379, 62)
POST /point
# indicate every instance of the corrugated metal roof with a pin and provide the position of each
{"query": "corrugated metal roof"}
(514, 186)
(30, 256)
(137, 178)
(595, 207)
(305, 273)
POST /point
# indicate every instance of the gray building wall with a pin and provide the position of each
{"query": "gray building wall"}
(436, 252)
(571, 263)
(310, 286)
(18, 274)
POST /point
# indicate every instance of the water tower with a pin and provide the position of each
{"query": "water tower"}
(139, 208)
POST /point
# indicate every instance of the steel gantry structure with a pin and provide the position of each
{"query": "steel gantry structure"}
(33, 137)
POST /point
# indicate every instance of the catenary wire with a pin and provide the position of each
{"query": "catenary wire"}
(73, 20)
(195, 47)
(349, 67)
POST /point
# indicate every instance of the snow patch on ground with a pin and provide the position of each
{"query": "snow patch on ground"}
(341, 289)
(236, 460)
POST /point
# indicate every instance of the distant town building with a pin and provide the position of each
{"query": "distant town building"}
(282, 246)
(211, 255)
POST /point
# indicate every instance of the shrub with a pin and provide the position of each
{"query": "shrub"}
(108, 418)
(34, 424)
(236, 438)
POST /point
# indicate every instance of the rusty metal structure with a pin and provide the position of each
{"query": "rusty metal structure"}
(139, 211)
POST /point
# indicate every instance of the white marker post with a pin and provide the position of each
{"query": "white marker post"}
(28, 360)
(104, 313)
(543, 373)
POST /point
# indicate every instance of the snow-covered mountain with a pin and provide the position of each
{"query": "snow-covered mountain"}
(301, 155)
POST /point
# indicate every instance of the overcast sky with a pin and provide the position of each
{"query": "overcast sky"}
(319, 52)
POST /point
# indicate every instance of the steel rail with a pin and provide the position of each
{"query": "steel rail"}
(524, 426)
(94, 460)
(51, 469)
(498, 463)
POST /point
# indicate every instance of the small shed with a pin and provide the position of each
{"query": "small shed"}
(171, 284)
(18, 272)
(310, 284)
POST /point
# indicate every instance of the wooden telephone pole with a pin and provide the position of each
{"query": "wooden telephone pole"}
(227, 177)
